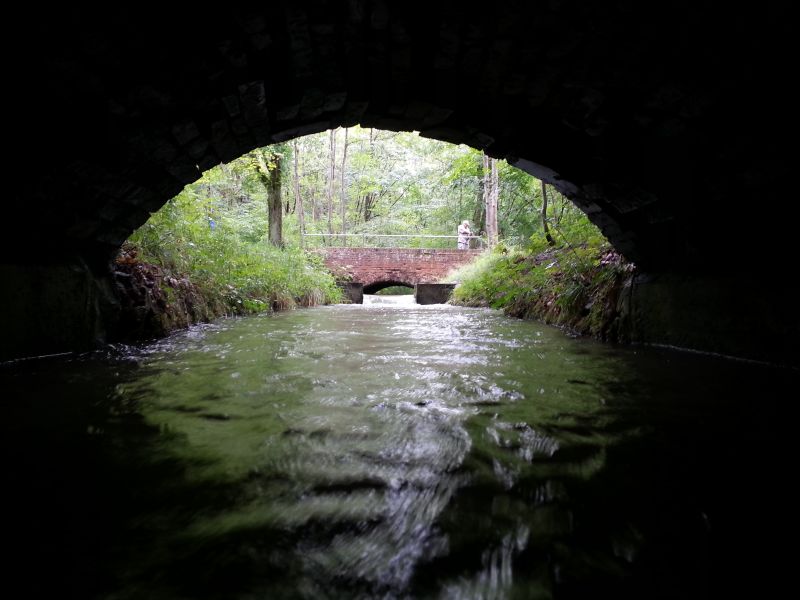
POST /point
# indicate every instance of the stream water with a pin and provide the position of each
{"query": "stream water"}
(387, 451)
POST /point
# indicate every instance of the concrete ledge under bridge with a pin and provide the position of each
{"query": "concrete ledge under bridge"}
(377, 268)
(433, 293)
(424, 293)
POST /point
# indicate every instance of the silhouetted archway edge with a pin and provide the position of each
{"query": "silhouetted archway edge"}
(115, 202)
(661, 121)
(626, 112)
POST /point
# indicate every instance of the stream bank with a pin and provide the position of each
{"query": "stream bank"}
(582, 290)
(594, 291)
(154, 301)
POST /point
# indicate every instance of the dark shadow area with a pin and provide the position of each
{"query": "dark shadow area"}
(666, 140)
(96, 497)
(679, 493)
(377, 287)
(674, 484)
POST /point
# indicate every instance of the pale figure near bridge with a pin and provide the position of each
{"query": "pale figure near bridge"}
(464, 234)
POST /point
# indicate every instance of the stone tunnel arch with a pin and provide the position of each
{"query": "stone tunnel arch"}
(656, 125)
(145, 105)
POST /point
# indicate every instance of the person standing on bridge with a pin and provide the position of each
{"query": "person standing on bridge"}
(464, 234)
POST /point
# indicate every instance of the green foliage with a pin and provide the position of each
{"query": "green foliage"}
(393, 183)
(480, 282)
(219, 243)
(402, 183)
(574, 286)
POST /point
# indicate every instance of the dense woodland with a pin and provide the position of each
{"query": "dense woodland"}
(237, 231)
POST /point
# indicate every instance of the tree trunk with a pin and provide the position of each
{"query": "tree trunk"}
(275, 208)
(563, 200)
(547, 235)
(368, 204)
(491, 210)
(342, 189)
(312, 192)
(331, 176)
(272, 181)
(298, 199)
(490, 194)
(479, 214)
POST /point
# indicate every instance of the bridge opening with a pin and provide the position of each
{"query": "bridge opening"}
(389, 288)
(396, 290)
(380, 208)
(389, 293)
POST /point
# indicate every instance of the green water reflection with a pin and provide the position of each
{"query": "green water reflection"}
(389, 452)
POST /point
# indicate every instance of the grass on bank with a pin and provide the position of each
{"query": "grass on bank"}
(576, 285)
(229, 261)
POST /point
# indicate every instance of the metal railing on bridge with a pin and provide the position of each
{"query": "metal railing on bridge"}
(382, 240)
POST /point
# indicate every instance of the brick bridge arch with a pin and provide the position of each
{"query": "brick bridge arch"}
(377, 268)
(660, 120)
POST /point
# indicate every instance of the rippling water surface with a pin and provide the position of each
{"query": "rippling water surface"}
(391, 452)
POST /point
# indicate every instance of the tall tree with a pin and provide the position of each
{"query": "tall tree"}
(342, 189)
(274, 201)
(479, 212)
(369, 200)
(331, 176)
(491, 191)
(298, 199)
(494, 201)
(269, 171)
(546, 229)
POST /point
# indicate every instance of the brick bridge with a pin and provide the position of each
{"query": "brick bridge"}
(377, 268)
